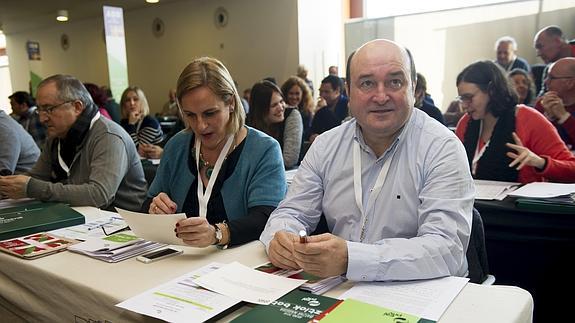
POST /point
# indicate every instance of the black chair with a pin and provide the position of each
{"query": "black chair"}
(477, 253)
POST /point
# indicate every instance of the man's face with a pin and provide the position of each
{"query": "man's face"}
(560, 80)
(505, 53)
(58, 116)
(547, 47)
(381, 90)
(328, 93)
(18, 108)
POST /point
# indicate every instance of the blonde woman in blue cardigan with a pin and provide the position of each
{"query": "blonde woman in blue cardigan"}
(225, 176)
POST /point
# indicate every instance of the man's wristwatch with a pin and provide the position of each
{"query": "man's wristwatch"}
(219, 234)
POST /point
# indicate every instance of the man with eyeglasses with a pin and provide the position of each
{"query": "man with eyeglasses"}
(88, 160)
(558, 104)
(551, 45)
(24, 111)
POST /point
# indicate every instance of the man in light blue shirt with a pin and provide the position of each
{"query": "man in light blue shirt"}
(393, 184)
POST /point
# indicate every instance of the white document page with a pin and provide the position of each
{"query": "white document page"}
(92, 229)
(544, 190)
(493, 190)
(181, 299)
(238, 281)
(423, 298)
(153, 227)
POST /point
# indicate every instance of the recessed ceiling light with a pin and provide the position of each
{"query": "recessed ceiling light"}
(152, 1)
(62, 15)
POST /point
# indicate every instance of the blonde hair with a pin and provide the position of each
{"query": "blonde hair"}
(144, 107)
(210, 72)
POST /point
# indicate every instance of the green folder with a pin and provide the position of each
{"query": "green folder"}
(296, 306)
(36, 217)
(351, 310)
(545, 205)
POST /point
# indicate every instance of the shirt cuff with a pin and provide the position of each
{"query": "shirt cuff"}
(362, 262)
(563, 118)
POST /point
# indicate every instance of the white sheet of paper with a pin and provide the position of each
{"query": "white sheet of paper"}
(423, 298)
(92, 229)
(181, 299)
(544, 189)
(238, 281)
(153, 227)
(493, 190)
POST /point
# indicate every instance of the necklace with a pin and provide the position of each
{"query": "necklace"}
(204, 164)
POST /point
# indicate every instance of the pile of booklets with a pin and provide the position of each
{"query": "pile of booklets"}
(116, 247)
(35, 245)
(314, 284)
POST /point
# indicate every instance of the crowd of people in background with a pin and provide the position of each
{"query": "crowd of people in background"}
(223, 159)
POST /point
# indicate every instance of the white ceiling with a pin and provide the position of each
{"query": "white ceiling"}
(22, 15)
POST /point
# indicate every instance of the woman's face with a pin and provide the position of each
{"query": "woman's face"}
(277, 107)
(473, 100)
(521, 84)
(207, 115)
(294, 96)
(132, 102)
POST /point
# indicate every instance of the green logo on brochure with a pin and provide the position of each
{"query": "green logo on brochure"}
(121, 237)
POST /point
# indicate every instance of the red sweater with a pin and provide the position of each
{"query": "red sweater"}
(541, 137)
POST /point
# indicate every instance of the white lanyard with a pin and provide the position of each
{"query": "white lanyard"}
(61, 161)
(374, 192)
(478, 152)
(203, 198)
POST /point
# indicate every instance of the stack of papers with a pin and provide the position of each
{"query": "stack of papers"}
(493, 190)
(422, 298)
(545, 190)
(94, 229)
(181, 299)
(314, 284)
(116, 247)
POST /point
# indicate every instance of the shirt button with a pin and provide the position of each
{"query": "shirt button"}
(363, 277)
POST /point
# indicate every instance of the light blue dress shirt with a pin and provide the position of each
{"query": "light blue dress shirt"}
(419, 225)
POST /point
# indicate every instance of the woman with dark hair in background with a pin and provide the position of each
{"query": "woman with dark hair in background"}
(99, 98)
(506, 141)
(298, 95)
(523, 84)
(269, 114)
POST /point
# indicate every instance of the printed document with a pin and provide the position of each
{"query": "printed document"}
(181, 299)
(421, 298)
(544, 190)
(241, 282)
(153, 227)
(493, 190)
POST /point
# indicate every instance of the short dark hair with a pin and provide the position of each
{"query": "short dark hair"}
(334, 81)
(347, 69)
(491, 79)
(554, 30)
(23, 97)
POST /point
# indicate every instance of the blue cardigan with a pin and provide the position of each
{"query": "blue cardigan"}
(257, 180)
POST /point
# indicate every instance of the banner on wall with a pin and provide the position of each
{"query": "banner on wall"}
(34, 64)
(116, 50)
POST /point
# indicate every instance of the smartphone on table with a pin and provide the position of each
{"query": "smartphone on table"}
(158, 255)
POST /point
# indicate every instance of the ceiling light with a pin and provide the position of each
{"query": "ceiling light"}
(152, 1)
(62, 15)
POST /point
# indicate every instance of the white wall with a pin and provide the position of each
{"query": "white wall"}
(259, 40)
(321, 42)
(444, 42)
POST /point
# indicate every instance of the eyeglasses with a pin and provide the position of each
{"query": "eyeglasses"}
(550, 77)
(126, 228)
(48, 109)
(466, 98)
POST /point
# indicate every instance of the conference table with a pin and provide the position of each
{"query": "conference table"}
(531, 248)
(69, 287)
